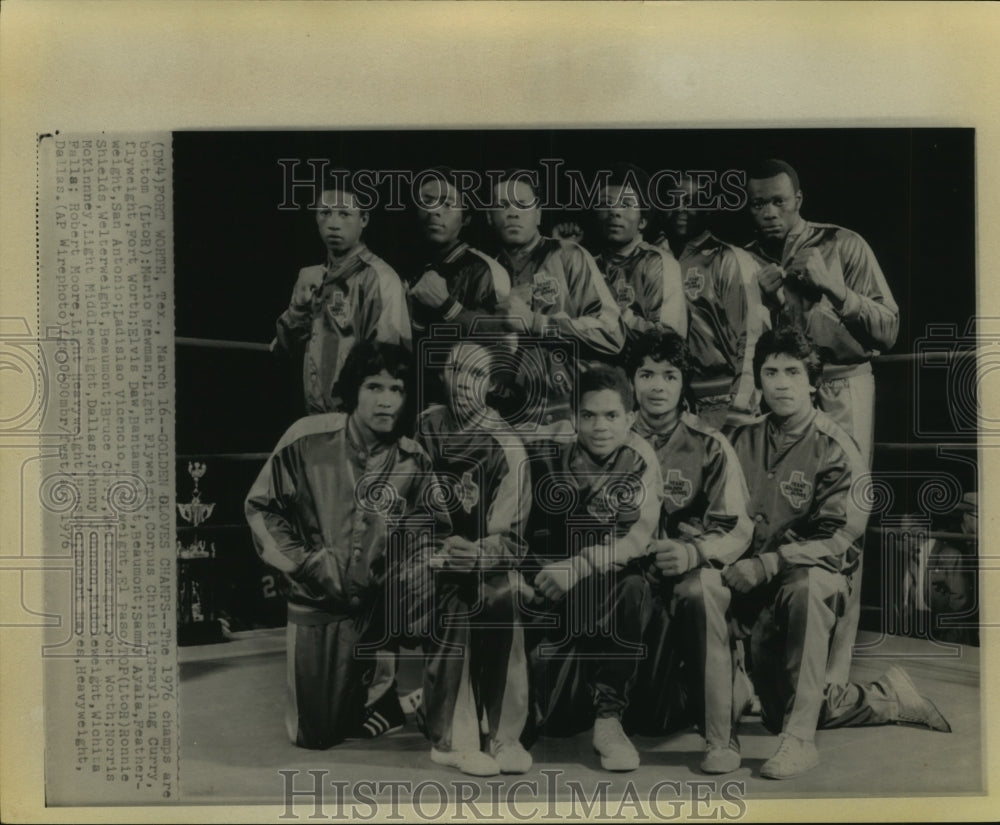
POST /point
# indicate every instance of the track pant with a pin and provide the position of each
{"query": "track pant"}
(325, 683)
(850, 401)
(790, 646)
(475, 663)
(687, 676)
(584, 652)
(384, 676)
(327, 676)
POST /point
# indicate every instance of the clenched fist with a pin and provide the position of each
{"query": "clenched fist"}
(809, 268)
(431, 290)
(305, 287)
(568, 231)
(771, 277)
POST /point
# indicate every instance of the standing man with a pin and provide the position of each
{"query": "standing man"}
(343, 509)
(703, 526)
(353, 296)
(475, 658)
(725, 309)
(459, 285)
(557, 293)
(825, 280)
(807, 499)
(644, 280)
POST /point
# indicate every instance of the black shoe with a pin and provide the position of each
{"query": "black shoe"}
(385, 716)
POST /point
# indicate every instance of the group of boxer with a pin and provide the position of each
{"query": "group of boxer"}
(622, 491)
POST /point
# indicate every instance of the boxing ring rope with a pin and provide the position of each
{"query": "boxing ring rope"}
(218, 343)
(703, 389)
(895, 358)
(943, 535)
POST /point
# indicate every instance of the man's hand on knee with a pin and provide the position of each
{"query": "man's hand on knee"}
(555, 580)
(673, 558)
(745, 575)
(459, 554)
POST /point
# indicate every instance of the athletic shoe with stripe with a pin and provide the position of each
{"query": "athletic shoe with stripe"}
(385, 716)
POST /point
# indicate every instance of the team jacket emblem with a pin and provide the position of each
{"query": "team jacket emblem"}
(338, 310)
(624, 294)
(544, 290)
(797, 490)
(694, 282)
(467, 491)
(677, 488)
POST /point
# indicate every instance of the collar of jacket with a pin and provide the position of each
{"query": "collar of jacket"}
(522, 252)
(622, 254)
(782, 429)
(447, 256)
(655, 437)
(363, 447)
(697, 243)
(579, 456)
(336, 269)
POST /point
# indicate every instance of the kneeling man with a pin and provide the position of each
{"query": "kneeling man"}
(687, 675)
(345, 509)
(601, 499)
(805, 475)
(475, 654)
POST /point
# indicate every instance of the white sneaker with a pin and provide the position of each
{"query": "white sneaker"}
(616, 750)
(793, 757)
(473, 763)
(912, 708)
(510, 756)
(721, 760)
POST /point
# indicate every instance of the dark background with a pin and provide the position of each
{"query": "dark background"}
(909, 192)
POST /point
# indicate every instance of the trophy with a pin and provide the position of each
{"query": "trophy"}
(196, 615)
(195, 512)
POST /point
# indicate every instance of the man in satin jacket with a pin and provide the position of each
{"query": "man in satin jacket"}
(825, 280)
(557, 295)
(645, 280)
(459, 285)
(476, 655)
(808, 501)
(703, 527)
(602, 502)
(726, 314)
(353, 296)
(344, 508)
